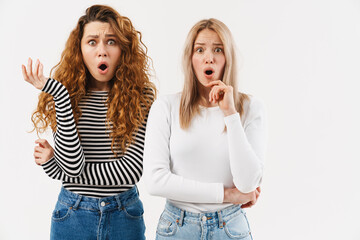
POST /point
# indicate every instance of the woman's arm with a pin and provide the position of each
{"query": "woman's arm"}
(247, 145)
(157, 173)
(127, 169)
(68, 152)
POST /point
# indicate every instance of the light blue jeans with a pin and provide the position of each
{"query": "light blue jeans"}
(229, 223)
(86, 218)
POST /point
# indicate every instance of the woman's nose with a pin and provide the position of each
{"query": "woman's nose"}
(102, 50)
(209, 58)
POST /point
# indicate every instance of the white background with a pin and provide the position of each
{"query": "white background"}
(301, 57)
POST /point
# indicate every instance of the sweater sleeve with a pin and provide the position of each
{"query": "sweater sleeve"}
(247, 146)
(127, 169)
(159, 179)
(68, 153)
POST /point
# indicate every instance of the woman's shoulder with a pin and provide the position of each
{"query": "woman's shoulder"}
(169, 99)
(253, 107)
(252, 103)
(167, 102)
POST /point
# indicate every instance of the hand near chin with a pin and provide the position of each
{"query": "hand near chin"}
(34, 76)
(223, 95)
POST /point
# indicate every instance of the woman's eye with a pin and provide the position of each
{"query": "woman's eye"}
(111, 42)
(92, 42)
(218, 50)
(199, 50)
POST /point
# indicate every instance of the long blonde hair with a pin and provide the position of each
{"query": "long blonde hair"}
(131, 93)
(188, 104)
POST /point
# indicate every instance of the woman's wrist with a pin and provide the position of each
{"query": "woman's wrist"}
(226, 195)
(229, 112)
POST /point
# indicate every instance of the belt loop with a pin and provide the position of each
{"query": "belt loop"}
(76, 205)
(221, 222)
(117, 197)
(181, 220)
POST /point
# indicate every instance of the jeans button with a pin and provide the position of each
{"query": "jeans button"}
(204, 218)
(102, 204)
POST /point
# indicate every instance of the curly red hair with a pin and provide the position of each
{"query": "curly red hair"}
(131, 93)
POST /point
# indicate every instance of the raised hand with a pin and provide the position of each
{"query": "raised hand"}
(34, 76)
(44, 152)
(223, 95)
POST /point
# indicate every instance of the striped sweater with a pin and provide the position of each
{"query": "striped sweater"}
(83, 159)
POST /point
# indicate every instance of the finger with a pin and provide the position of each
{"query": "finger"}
(215, 82)
(46, 144)
(39, 149)
(40, 141)
(41, 70)
(29, 67)
(23, 68)
(37, 155)
(246, 205)
(43, 143)
(218, 92)
(38, 161)
(213, 93)
(36, 68)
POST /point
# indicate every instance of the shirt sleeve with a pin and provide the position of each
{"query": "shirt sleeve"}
(68, 153)
(127, 169)
(159, 179)
(247, 146)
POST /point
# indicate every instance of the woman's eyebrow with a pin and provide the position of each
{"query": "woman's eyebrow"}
(92, 36)
(97, 36)
(217, 44)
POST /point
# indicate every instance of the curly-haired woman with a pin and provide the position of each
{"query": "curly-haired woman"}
(96, 104)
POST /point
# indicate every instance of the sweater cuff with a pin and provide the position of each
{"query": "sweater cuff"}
(49, 163)
(232, 118)
(53, 87)
(220, 193)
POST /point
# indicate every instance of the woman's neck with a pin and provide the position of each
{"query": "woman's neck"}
(95, 85)
(203, 96)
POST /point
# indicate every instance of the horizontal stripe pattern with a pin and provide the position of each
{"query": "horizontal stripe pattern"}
(83, 159)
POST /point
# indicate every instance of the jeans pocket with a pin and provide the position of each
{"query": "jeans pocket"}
(237, 227)
(61, 212)
(135, 209)
(166, 226)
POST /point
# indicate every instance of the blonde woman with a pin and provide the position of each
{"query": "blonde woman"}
(205, 147)
(96, 104)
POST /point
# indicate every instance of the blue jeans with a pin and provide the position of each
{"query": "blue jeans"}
(84, 218)
(228, 223)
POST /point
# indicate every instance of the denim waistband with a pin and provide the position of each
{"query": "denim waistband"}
(77, 201)
(218, 217)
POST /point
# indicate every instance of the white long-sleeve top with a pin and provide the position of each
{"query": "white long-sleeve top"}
(191, 167)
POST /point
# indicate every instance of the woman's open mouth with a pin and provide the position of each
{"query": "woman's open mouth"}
(103, 68)
(209, 73)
